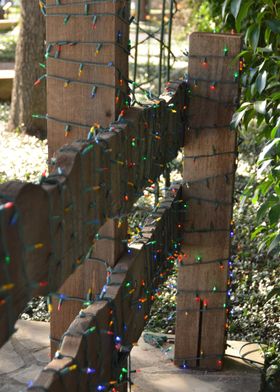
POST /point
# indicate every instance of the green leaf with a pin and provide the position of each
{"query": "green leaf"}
(261, 81)
(267, 35)
(252, 73)
(262, 210)
(265, 186)
(255, 36)
(264, 166)
(235, 7)
(275, 96)
(274, 25)
(274, 214)
(253, 89)
(274, 244)
(275, 131)
(242, 13)
(267, 148)
(260, 106)
(224, 7)
(237, 117)
(274, 292)
(249, 115)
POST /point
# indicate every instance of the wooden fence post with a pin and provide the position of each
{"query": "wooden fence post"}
(87, 74)
(87, 67)
(209, 168)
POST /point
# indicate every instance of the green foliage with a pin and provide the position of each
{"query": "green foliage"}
(8, 45)
(259, 21)
(204, 16)
(4, 111)
(271, 375)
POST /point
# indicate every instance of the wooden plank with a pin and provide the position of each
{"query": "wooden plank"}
(105, 69)
(209, 166)
(118, 320)
(87, 281)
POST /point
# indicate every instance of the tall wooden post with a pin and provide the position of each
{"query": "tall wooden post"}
(87, 86)
(87, 67)
(209, 167)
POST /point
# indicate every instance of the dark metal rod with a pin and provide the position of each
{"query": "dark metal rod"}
(169, 38)
(136, 41)
(161, 45)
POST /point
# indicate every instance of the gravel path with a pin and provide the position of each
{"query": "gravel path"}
(22, 157)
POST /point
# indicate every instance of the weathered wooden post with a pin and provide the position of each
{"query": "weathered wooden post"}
(87, 67)
(87, 87)
(209, 168)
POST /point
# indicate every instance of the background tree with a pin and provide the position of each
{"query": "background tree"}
(30, 50)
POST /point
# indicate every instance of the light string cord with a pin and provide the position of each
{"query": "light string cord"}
(86, 2)
(98, 14)
(68, 333)
(50, 44)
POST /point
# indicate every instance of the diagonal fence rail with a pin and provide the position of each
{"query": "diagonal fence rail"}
(93, 351)
(47, 230)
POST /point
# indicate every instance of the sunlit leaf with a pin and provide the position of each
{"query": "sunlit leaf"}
(261, 81)
(224, 7)
(268, 148)
(255, 36)
(235, 7)
(237, 117)
(274, 244)
(260, 106)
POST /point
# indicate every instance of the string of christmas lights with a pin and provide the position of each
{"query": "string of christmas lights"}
(94, 16)
(74, 3)
(154, 262)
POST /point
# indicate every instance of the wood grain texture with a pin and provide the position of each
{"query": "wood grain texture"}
(119, 314)
(87, 281)
(104, 60)
(209, 166)
(75, 104)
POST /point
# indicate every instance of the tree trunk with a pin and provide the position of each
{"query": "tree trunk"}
(30, 50)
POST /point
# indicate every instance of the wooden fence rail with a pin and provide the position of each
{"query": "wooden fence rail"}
(47, 230)
(94, 349)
